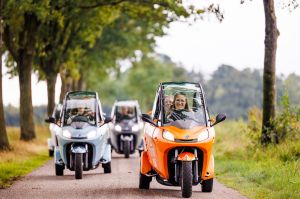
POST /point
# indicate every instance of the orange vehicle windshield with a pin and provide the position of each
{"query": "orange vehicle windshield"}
(183, 106)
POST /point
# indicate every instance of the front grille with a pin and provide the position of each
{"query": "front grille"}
(187, 141)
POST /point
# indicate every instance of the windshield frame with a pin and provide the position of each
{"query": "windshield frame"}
(162, 97)
(93, 96)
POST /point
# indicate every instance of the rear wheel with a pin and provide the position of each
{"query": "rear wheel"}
(144, 181)
(186, 179)
(78, 166)
(51, 153)
(207, 185)
(126, 148)
(59, 169)
(107, 167)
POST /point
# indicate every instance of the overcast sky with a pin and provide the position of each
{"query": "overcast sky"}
(203, 46)
(237, 41)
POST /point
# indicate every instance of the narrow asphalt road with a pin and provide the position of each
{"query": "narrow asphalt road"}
(121, 183)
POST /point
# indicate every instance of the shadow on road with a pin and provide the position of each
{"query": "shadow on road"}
(64, 177)
(135, 193)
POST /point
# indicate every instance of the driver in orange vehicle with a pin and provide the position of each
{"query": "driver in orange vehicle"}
(179, 106)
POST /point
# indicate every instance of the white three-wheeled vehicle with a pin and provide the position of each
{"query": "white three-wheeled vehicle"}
(83, 135)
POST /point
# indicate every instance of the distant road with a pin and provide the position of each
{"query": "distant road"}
(121, 183)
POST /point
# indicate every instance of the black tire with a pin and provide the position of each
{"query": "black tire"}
(126, 148)
(107, 167)
(186, 179)
(207, 185)
(51, 153)
(78, 166)
(59, 170)
(144, 182)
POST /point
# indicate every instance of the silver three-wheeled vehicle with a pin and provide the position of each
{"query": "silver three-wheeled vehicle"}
(126, 126)
(83, 135)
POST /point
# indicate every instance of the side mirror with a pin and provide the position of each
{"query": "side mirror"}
(107, 120)
(50, 120)
(147, 118)
(220, 118)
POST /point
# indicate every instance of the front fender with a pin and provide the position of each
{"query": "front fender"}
(186, 156)
(145, 164)
(78, 149)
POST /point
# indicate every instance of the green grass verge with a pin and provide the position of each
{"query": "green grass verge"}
(11, 171)
(256, 172)
(23, 157)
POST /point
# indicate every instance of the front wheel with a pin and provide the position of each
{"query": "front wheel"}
(207, 185)
(126, 148)
(186, 179)
(59, 169)
(144, 181)
(107, 167)
(78, 165)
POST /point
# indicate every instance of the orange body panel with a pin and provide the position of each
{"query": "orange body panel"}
(158, 147)
(145, 165)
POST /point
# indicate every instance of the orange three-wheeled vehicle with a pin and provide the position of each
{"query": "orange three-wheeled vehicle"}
(179, 138)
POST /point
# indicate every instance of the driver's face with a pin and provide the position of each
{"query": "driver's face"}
(124, 110)
(80, 110)
(180, 102)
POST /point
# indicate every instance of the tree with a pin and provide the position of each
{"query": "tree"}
(22, 20)
(60, 40)
(269, 78)
(86, 20)
(4, 144)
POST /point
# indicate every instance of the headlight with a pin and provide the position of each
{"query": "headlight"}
(91, 134)
(168, 136)
(118, 128)
(135, 127)
(203, 136)
(67, 133)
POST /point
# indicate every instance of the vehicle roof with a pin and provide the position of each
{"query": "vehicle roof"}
(179, 83)
(127, 103)
(79, 94)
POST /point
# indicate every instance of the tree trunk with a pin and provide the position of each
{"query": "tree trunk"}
(26, 109)
(80, 84)
(74, 85)
(4, 144)
(269, 78)
(26, 51)
(62, 88)
(66, 85)
(51, 82)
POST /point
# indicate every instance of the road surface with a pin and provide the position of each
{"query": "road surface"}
(121, 183)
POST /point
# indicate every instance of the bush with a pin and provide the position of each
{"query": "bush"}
(286, 125)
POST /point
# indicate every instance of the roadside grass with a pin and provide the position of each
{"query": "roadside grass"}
(23, 156)
(256, 172)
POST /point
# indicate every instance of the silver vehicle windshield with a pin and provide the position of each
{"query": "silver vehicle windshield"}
(126, 113)
(80, 111)
(183, 106)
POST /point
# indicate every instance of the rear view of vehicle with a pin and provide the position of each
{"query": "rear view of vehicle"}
(179, 138)
(125, 129)
(83, 136)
